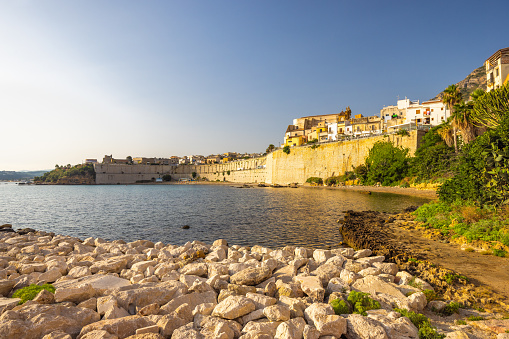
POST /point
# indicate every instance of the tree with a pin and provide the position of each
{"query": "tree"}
(385, 164)
(286, 149)
(444, 130)
(269, 149)
(491, 108)
(452, 96)
(194, 175)
(348, 112)
(463, 120)
(129, 159)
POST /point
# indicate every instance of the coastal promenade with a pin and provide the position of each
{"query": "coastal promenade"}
(141, 289)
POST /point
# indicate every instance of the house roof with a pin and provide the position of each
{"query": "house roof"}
(497, 55)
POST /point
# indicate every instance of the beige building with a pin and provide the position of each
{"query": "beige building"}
(414, 113)
(497, 69)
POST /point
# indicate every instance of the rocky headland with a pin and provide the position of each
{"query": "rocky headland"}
(113, 289)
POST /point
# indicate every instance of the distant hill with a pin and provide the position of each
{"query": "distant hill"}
(476, 79)
(14, 175)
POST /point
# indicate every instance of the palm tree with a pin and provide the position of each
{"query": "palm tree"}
(463, 120)
(452, 96)
(445, 132)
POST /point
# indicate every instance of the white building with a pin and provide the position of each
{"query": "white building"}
(497, 69)
(431, 112)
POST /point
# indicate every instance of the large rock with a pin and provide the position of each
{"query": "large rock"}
(317, 310)
(374, 285)
(100, 283)
(134, 299)
(291, 329)
(360, 327)
(326, 272)
(111, 265)
(121, 327)
(6, 286)
(312, 286)
(8, 303)
(192, 299)
(79, 272)
(234, 307)
(251, 276)
(168, 323)
(75, 294)
(50, 276)
(261, 300)
(45, 319)
(277, 312)
(198, 269)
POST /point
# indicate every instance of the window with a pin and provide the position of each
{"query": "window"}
(432, 110)
(496, 72)
(418, 111)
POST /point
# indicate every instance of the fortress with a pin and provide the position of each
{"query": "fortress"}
(324, 160)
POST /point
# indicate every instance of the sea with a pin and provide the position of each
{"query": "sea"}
(270, 217)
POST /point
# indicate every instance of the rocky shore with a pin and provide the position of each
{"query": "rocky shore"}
(113, 289)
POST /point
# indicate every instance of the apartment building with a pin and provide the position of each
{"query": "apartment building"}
(497, 69)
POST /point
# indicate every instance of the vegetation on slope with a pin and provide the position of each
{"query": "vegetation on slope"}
(78, 174)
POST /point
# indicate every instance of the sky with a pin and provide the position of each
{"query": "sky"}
(82, 79)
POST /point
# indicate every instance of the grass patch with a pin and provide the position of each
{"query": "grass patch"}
(452, 277)
(461, 322)
(466, 220)
(30, 292)
(357, 302)
(430, 295)
(469, 249)
(426, 331)
(475, 318)
(499, 253)
(451, 308)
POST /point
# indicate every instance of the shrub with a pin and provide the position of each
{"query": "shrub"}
(315, 180)
(402, 132)
(341, 306)
(386, 164)
(228, 172)
(330, 181)
(194, 175)
(286, 149)
(361, 302)
(426, 331)
(451, 308)
(357, 302)
(499, 253)
(430, 295)
(30, 292)
(166, 177)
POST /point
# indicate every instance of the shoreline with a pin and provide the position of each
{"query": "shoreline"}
(443, 264)
(114, 288)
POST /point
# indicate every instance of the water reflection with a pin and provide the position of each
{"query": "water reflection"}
(265, 216)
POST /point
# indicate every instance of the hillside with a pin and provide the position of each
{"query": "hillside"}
(476, 79)
(14, 175)
(69, 175)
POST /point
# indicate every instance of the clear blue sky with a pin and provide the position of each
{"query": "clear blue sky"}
(81, 79)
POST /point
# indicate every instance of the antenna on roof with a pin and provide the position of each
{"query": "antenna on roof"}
(398, 97)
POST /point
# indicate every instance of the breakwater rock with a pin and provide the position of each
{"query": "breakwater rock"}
(113, 289)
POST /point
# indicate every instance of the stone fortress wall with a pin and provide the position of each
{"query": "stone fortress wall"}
(323, 161)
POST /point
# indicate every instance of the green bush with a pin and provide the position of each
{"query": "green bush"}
(451, 308)
(426, 331)
(341, 306)
(482, 172)
(361, 302)
(30, 292)
(286, 149)
(385, 164)
(166, 177)
(315, 180)
(475, 318)
(433, 158)
(357, 302)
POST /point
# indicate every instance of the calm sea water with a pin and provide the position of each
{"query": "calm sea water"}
(265, 216)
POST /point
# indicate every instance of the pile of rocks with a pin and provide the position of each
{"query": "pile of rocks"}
(141, 289)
